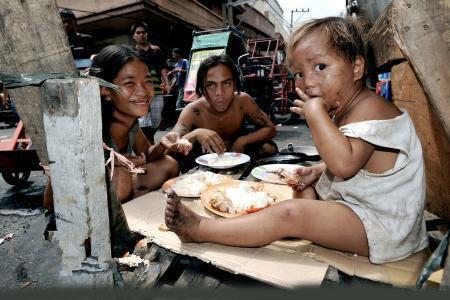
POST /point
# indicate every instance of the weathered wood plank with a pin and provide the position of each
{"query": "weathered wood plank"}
(195, 275)
(381, 40)
(160, 260)
(407, 94)
(72, 120)
(420, 39)
(445, 284)
(32, 39)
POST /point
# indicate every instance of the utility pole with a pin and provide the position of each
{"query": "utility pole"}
(296, 11)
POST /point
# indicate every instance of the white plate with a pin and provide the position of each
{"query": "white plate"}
(264, 172)
(226, 161)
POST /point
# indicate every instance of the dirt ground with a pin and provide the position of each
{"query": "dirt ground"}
(27, 259)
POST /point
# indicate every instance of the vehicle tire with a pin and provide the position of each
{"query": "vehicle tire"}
(16, 177)
(280, 112)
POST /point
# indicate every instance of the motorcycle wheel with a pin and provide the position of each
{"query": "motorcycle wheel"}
(16, 177)
(280, 112)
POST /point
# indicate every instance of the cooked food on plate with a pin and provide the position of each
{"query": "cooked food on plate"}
(243, 198)
(287, 176)
(191, 185)
(223, 160)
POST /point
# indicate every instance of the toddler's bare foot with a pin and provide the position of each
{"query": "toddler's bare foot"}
(180, 219)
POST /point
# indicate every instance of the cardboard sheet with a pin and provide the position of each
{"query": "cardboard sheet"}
(285, 263)
(146, 216)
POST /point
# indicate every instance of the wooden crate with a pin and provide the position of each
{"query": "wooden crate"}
(408, 94)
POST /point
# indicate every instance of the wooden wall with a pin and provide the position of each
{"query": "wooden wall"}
(408, 91)
(408, 94)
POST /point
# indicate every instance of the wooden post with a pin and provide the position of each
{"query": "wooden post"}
(32, 39)
(72, 120)
(445, 284)
(420, 39)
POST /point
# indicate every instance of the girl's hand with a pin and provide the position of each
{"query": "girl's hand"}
(173, 142)
(138, 161)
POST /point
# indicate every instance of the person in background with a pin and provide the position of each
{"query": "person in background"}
(81, 45)
(158, 68)
(180, 70)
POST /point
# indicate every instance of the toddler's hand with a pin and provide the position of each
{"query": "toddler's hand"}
(306, 177)
(299, 103)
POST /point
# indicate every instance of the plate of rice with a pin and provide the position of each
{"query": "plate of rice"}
(225, 161)
(235, 198)
(192, 185)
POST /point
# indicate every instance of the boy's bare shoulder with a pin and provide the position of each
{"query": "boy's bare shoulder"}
(244, 99)
(194, 108)
(374, 107)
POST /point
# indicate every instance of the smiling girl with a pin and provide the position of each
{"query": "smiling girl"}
(125, 68)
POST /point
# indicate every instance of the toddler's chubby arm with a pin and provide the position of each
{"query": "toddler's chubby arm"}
(343, 156)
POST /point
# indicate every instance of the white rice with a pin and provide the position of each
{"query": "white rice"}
(223, 160)
(194, 184)
(244, 198)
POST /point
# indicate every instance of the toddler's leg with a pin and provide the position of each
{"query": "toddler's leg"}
(325, 223)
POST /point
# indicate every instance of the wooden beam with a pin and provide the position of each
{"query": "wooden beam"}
(420, 40)
(445, 283)
(72, 120)
(32, 39)
(381, 40)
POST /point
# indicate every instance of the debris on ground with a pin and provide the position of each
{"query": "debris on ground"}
(132, 261)
(6, 237)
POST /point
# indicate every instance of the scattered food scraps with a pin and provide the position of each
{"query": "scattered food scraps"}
(132, 260)
(6, 237)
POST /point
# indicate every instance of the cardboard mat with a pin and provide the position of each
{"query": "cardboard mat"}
(285, 263)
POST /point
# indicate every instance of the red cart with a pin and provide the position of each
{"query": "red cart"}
(17, 159)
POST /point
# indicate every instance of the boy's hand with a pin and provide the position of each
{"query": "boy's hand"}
(210, 141)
